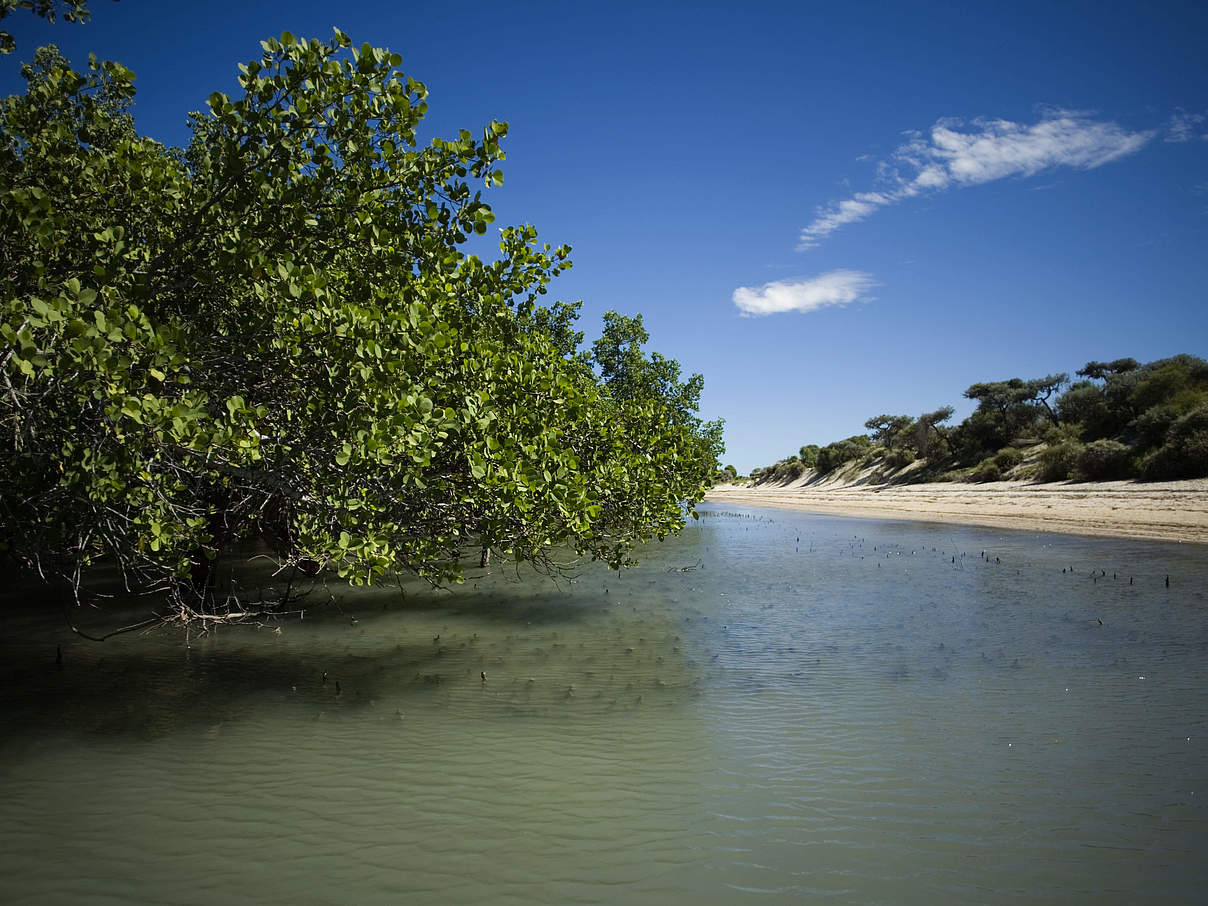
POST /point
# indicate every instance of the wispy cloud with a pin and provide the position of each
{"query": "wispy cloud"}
(1186, 127)
(953, 154)
(839, 287)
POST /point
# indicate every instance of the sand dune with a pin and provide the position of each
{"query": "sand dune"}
(1170, 510)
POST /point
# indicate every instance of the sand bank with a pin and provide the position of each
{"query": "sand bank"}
(1169, 510)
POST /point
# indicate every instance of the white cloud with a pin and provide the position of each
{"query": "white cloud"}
(841, 213)
(952, 154)
(839, 287)
(1186, 127)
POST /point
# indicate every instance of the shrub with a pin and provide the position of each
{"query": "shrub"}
(833, 455)
(986, 470)
(1152, 425)
(992, 468)
(1055, 435)
(728, 475)
(1103, 460)
(782, 471)
(1084, 404)
(790, 469)
(1060, 462)
(826, 460)
(1007, 458)
(1185, 453)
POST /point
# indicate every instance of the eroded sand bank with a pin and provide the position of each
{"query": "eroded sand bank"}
(1170, 510)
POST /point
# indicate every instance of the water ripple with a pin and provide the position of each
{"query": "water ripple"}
(881, 714)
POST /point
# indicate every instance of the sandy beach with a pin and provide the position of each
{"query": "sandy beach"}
(1168, 510)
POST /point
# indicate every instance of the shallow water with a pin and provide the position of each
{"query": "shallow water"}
(776, 707)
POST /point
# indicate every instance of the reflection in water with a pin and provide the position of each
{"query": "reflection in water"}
(826, 708)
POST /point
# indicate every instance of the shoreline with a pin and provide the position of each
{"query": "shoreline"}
(1160, 510)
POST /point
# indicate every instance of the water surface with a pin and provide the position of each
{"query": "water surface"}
(776, 707)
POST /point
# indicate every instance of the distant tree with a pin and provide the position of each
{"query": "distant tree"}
(1085, 405)
(1006, 411)
(784, 470)
(1178, 381)
(1123, 413)
(836, 454)
(890, 430)
(1099, 370)
(929, 439)
(1015, 395)
(1141, 403)
(728, 474)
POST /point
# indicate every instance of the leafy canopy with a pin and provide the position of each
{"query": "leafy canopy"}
(274, 333)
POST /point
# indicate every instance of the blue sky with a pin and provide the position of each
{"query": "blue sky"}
(829, 210)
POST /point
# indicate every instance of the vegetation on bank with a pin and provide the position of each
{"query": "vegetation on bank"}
(274, 334)
(1120, 419)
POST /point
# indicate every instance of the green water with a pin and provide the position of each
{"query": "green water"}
(824, 710)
